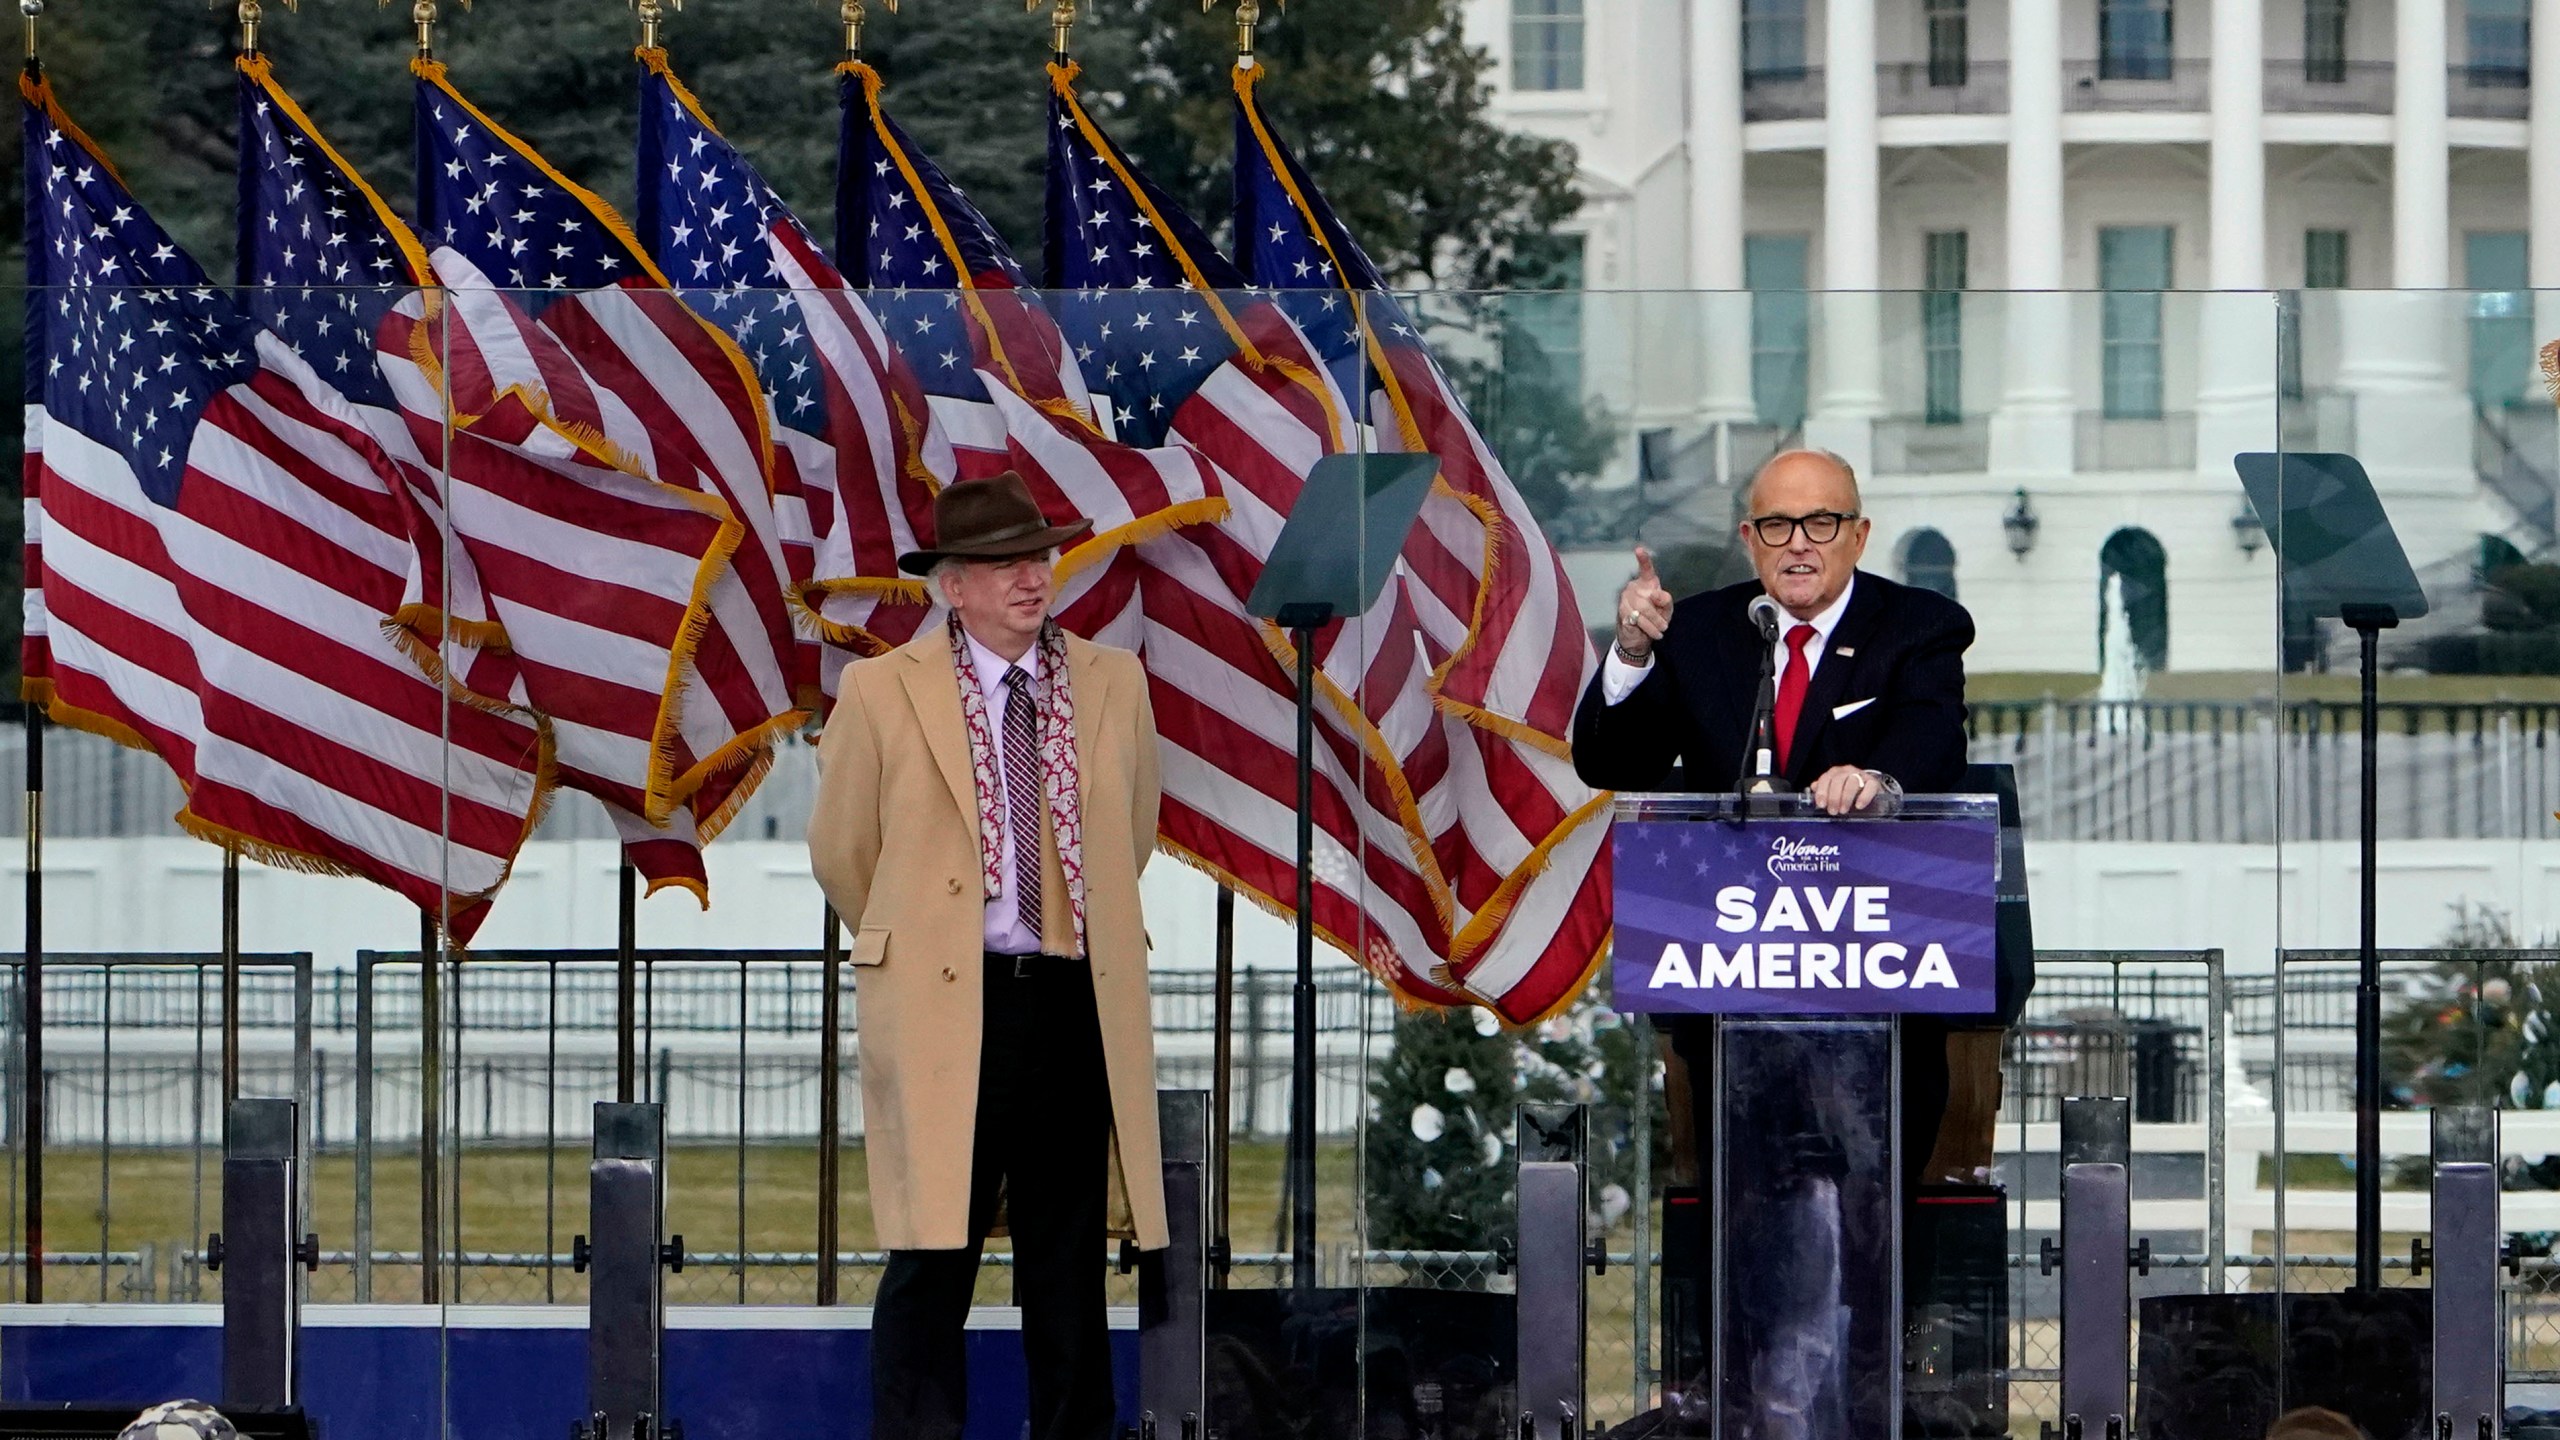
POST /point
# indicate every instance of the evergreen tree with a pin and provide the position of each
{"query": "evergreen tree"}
(1439, 1151)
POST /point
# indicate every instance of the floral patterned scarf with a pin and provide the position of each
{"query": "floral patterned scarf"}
(1059, 779)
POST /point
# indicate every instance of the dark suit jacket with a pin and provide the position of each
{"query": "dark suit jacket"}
(1901, 648)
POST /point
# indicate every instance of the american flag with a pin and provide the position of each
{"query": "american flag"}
(850, 419)
(562, 590)
(215, 546)
(554, 320)
(1173, 341)
(995, 367)
(1500, 637)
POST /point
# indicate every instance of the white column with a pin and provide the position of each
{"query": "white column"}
(2421, 190)
(2542, 145)
(2235, 401)
(2031, 432)
(2239, 250)
(1716, 221)
(1852, 393)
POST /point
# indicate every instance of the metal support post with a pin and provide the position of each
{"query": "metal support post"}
(2468, 1249)
(2096, 1262)
(626, 1296)
(1554, 1246)
(261, 1254)
(1173, 1283)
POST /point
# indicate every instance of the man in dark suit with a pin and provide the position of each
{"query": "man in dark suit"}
(1870, 703)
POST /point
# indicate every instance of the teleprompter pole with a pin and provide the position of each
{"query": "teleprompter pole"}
(31, 975)
(626, 987)
(230, 982)
(430, 1108)
(1302, 994)
(1222, 1059)
(830, 1061)
(2368, 621)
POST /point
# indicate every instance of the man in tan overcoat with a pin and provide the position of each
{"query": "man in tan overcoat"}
(986, 800)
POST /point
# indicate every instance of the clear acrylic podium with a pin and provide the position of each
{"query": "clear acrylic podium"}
(1801, 1154)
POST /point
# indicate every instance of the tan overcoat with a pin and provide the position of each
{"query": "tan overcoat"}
(894, 842)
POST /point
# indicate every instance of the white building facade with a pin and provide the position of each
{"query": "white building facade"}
(2126, 157)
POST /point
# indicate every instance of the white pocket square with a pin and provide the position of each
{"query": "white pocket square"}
(1843, 712)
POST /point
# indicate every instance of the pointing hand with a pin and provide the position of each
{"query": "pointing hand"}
(1644, 609)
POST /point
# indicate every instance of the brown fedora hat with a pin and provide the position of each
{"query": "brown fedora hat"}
(990, 519)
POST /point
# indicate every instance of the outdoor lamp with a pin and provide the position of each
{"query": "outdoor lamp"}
(2021, 523)
(2249, 530)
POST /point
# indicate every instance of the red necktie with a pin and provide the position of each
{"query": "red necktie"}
(1791, 687)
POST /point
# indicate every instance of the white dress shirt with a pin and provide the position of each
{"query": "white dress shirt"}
(1006, 934)
(1618, 679)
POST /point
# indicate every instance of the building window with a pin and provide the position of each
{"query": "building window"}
(2133, 39)
(1772, 40)
(2133, 268)
(2498, 33)
(2134, 559)
(1942, 326)
(2324, 267)
(2324, 41)
(1950, 43)
(1929, 563)
(1546, 44)
(1546, 314)
(2502, 355)
(1773, 269)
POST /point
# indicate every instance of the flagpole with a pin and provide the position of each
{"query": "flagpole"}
(1248, 18)
(1062, 24)
(422, 15)
(31, 946)
(251, 14)
(851, 14)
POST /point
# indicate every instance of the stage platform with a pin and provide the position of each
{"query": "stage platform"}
(518, 1372)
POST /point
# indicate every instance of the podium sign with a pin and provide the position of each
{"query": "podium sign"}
(1785, 911)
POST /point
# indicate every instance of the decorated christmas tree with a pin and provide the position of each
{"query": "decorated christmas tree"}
(1439, 1147)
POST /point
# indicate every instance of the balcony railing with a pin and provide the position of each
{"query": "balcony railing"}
(1910, 445)
(2091, 85)
(2104, 442)
(2487, 92)
(1791, 94)
(1977, 87)
(2307, 87)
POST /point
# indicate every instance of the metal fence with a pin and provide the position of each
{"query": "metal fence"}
(732, 1049)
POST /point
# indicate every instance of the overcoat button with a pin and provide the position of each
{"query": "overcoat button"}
(950, 974)
(954, 884)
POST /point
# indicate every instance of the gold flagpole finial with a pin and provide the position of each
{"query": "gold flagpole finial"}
(422, 14)
(252, 14)
(852, 13)
(653, 13)
(1062, 23)
(1248, 17)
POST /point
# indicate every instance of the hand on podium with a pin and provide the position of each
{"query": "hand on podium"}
(1644, 610)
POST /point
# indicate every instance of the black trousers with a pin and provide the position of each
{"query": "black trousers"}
(1043, 1138)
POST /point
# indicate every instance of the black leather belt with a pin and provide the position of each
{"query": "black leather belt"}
(1026, 967)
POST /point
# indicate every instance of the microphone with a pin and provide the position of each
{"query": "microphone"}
(1760, 765)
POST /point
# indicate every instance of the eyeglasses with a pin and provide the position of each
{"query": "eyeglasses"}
(1821, 527)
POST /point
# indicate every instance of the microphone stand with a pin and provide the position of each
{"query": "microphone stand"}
(1760, 775)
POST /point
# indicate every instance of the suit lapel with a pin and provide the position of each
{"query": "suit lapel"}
(1091, 686)
(1831, 678)
(933, 688)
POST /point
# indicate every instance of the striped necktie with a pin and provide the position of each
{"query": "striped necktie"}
(1022, 793)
